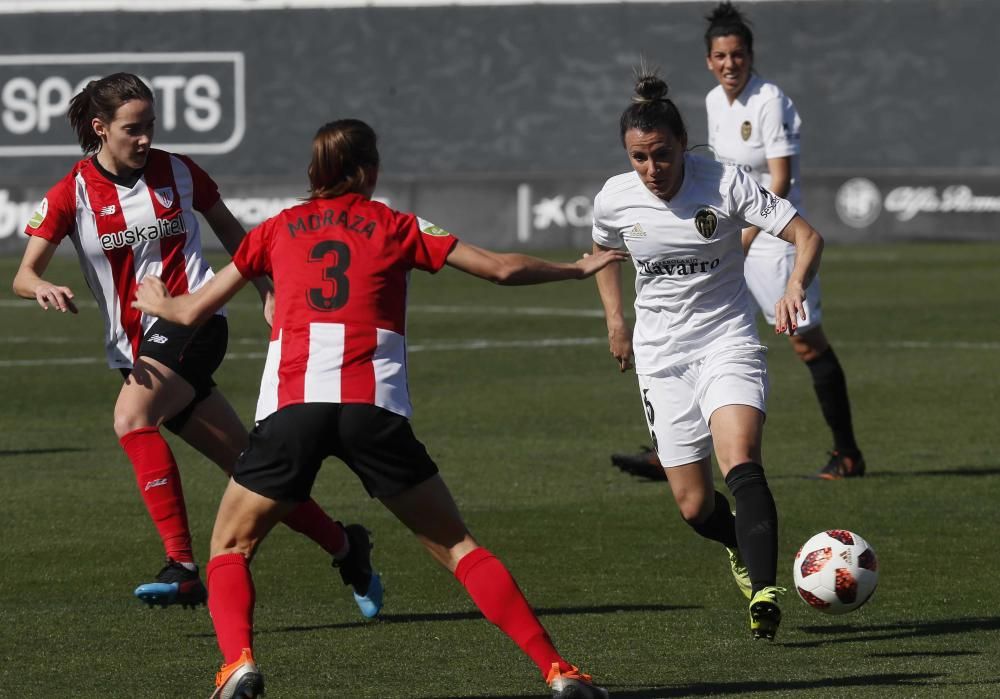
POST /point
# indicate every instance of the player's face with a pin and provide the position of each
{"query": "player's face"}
(126, 140)
(658, 157)
(730, 63)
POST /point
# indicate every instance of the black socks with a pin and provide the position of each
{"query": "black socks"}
(831, 390)
(756, 523)
(720, 525)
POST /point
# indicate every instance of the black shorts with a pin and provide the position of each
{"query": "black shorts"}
(193, 352)
(287, 448)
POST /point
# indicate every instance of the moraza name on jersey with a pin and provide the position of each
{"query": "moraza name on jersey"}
(163, 228)
(330, 217)
(676, 268)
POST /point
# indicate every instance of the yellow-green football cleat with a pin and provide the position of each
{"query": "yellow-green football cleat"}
(740, 572)
(765, 615)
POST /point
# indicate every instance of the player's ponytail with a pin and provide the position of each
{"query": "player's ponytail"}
(652, 110)
(344, 159)
(726, 20)
(100, 99)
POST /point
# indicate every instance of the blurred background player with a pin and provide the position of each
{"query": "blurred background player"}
(335, 384)
(129, 211)
(752, 124)
(701, 368)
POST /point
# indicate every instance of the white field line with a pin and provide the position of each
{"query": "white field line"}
(413, 308)
(478, 344)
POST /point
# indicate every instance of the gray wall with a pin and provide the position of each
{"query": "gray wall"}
(522, 93)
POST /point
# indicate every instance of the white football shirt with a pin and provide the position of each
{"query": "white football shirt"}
(690, 296)
(761, 123)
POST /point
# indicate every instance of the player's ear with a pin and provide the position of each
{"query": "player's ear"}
(99, 127)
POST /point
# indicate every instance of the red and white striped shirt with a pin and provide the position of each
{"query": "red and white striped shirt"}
(340, 268)
(122, 233)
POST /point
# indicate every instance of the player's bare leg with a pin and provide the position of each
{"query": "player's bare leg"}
(430, 512)
(736, 434)
(830, 384)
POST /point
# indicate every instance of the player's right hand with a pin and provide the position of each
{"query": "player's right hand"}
(620, 344)
(60, 297)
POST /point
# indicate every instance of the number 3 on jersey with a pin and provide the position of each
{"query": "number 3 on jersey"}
(334, 295)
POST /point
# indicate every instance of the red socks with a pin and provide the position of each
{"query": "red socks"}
(160, 487)
(310, 520)
(498, 597)
(231, 599)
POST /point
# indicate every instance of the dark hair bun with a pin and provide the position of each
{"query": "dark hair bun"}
(725, 14)
(650, 88)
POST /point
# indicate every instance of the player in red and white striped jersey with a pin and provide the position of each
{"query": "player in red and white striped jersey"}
(335, 385)
(129, 211)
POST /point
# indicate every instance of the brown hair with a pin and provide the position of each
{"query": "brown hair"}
(344, 159)
(100, 99)
(652, 110)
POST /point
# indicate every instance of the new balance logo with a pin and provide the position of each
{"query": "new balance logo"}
(155, 484)
(108, 210)
(158, 339)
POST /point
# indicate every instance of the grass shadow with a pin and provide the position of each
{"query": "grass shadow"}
(32, 452)
(844, 633)
(475, 615)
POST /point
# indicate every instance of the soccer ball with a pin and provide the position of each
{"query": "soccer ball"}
(836, 571)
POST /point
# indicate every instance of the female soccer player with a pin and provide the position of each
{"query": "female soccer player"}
(752, 124)
(129, 211)
(701, 367)
(335, 383)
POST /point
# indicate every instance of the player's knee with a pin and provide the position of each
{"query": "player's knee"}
(125, 422)
(694, 509)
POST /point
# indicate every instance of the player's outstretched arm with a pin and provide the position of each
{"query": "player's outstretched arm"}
(28, 282)
(808, 249)
(515, 269)
(152, 297)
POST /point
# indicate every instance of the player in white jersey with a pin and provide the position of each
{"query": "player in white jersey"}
(129, 211)
(701, 368)
(755, 126)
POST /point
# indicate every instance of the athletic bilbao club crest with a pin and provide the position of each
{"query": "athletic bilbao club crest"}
(165, 195)
(745, 130)
(706, 222)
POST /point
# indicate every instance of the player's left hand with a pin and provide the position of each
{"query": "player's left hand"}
(150, 295)
(790, 309)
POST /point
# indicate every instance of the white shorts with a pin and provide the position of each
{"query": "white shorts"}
(767, 268)
(679, 401)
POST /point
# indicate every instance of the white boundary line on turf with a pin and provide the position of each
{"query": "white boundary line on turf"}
(425, 347)
(414, 308)
(482, 344)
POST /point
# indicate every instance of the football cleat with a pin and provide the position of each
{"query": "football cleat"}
(645, 464)
(174, 584)
(740, 572)
(765, 615)
(356, 570)
(842, 466)
(239, 680)
(573, 684)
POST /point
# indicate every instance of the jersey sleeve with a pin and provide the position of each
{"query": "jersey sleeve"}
(253, 257)
(206, 191)
(779, 125)
(55, 217)
(754, 205)
(425, 246)
(603, 233)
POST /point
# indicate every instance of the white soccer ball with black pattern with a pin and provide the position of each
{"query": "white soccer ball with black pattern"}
(836, 571)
